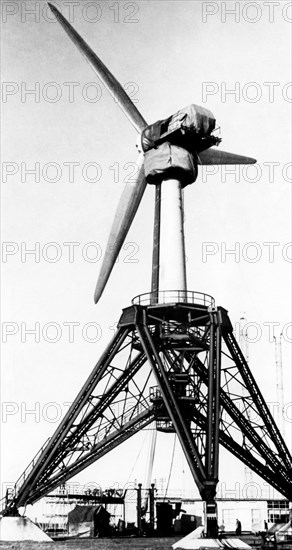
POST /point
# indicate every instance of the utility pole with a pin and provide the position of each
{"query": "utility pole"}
(243, 341)
(279, 383)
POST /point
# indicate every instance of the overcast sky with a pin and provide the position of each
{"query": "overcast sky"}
(169, 54)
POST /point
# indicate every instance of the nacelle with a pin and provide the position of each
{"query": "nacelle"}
(189, 128)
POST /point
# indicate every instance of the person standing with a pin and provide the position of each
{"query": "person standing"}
(238, 527)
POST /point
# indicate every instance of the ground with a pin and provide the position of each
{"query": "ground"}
(97, 544)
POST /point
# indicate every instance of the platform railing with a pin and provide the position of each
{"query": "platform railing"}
(13, 491)
(174, 296)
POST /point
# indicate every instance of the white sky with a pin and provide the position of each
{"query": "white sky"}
(168, 54)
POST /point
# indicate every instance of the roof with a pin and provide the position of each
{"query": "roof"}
(82, 514)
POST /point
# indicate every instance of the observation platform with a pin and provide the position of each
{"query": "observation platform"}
(182, 306)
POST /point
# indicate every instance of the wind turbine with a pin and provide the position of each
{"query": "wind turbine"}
(191, 130)
(172, 337)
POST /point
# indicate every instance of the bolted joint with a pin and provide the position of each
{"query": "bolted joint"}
(208, 493)
(170, 162)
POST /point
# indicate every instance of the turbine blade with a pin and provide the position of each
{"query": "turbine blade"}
(126, 210)
(216, 156)
(107, 78)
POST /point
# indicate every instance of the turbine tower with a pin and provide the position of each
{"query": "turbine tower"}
(174, 360)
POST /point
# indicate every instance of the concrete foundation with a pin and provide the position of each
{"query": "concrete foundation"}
(21, 528)
(212, 544)
(194, 541)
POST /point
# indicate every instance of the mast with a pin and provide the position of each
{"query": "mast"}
(279, 383)
(172, 242)
(243, 341)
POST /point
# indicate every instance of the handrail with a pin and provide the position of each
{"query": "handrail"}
(19, 482)
(31, 464)
(136, 409)
(174, 296)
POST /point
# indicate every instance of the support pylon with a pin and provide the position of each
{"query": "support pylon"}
(176, 363)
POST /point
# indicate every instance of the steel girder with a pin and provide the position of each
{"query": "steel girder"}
(107, 444)
(205, 392)
(201, 452)
(256, 396)
(253, 449)
(110, 407)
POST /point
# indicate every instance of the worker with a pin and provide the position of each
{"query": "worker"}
(238, 527)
